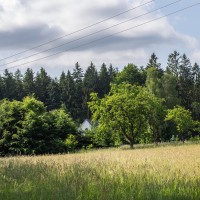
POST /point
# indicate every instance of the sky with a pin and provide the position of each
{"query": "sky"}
(25, 24)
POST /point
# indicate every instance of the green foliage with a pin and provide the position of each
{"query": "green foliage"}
(156, 117)
(26, 127)
(153, 84)
(130, 74)
(182, 119)
(195, 138)
(71, 142)
(162, 88)
(123, 112)
(154, 64)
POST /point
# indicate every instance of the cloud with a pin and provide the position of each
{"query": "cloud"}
(196, 56)
(25, 24)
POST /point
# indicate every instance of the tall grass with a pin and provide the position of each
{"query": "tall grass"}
(171, 172)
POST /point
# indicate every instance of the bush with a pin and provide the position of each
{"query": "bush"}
(71, 143)
(28, 128)
(195, 138)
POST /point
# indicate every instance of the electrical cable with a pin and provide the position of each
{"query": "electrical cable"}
(90, 34)
(106, 36)
(78, 30)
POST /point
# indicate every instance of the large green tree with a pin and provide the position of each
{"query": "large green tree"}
(124, 111)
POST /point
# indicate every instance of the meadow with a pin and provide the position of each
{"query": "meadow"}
(166, 172)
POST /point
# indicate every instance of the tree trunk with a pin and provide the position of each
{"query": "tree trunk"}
(131, 144)
(182, 138)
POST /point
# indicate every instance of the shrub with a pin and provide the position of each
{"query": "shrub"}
(195, 138)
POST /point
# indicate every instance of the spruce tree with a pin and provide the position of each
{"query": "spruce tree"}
(42, 81)
(28, 82)
(173, 65)
(90, 85)
(77, 75)
(19, 85)
(54, 95)
(1, 88)
(153, 63)
(186, 82)
(9, 85)
(104, 81)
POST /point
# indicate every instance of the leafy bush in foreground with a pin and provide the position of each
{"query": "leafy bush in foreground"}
(28, 128)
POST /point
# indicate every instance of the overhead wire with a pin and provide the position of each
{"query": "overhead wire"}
(79, 30)
(106, 36)
(90, 34)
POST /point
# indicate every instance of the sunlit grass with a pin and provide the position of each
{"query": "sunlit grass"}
(171, 172)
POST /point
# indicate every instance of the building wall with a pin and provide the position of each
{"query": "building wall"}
(85, 125)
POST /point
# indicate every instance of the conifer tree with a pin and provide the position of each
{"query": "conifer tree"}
(9, 85)
(90, 85)
(77, 75)
(173, 65)
(186, 82)
(54, 95)
(70, 94)
(104, 81)
(1, 88)
(153, 63)
(19, 85)
(28, 82)
(42, 81)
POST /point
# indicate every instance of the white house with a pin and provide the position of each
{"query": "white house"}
(87, 125)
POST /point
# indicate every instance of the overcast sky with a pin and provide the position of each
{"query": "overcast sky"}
(26, 23)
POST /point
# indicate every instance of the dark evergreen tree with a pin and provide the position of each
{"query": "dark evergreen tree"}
(186, 82)
(104, 81)
(28, 82)
(78, 112)
(196, 79)
(70, 94)
(62, 87)
(112, 72)
(153, 63)
(173, 65)
(1, 88)
(18, 85)
(42, 81)
(9, 85)
(54, 95)
(77, 73)
(90, 85)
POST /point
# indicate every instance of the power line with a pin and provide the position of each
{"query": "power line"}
(91, 33)
(78, 30)
(106, 36)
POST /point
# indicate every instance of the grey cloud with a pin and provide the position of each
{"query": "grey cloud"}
(27, 37)
(106, 12)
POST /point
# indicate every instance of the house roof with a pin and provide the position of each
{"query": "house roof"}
(91, 122)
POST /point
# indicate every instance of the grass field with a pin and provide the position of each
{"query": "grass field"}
(171, 172)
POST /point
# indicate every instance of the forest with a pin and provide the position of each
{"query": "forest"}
(42, 114)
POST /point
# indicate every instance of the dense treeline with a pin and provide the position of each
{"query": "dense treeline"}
(177, 85)
(72, 88)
